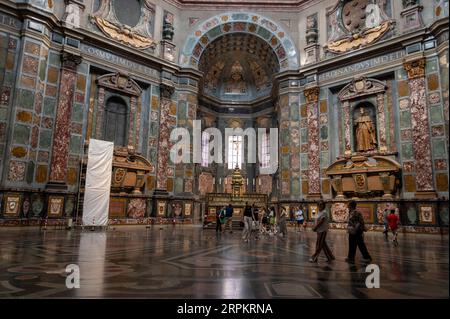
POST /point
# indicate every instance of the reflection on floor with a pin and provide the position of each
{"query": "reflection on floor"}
(188, 262)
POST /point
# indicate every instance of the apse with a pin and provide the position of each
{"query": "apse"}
(238, 68)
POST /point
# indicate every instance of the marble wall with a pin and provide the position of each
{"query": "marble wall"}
(48, 111)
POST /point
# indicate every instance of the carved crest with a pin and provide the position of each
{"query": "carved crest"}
(138, 36)
(356, 23)
(120, 82)
(361, 86)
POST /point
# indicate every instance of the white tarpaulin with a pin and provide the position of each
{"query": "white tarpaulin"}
(98, 183)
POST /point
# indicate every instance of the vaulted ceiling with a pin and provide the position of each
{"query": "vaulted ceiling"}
(238, 67)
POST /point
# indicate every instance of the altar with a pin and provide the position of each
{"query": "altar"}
(237, 198)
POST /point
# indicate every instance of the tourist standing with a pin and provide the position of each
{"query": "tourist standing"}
(393, 225)
(282, 222)
(255, 221)
(356, 228)
(272, 219)
(248, 218)
(219, 215)
(299, 218)
(321, 227)
(229, 218)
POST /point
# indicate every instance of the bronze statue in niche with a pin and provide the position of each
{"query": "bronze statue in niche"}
(366, 136)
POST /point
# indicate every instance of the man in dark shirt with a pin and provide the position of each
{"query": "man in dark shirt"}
(356, 229)
(229, 218)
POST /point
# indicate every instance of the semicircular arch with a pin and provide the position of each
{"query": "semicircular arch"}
(237, 22)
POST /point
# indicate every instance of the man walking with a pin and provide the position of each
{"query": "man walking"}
(393, 225)
(229, 218)
(356, 229)
(386, 224)
(248, 218)
(321, 227)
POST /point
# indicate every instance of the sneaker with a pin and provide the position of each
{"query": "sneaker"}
(368, 260)
(312, 260)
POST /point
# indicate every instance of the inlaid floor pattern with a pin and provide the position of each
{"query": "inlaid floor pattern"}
(189, 262)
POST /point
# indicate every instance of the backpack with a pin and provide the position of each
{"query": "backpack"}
(222, 216)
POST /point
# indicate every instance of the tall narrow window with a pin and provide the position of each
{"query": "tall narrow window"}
(264, 161)
(205, 148)
(234, 151)
(115, 126)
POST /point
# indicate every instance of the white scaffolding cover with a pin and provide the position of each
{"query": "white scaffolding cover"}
(98, 183)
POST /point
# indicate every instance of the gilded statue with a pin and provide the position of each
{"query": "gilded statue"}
(365, 132)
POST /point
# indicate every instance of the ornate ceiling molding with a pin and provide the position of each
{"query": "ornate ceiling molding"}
(240, 3)
(138, 36)
(240, 22)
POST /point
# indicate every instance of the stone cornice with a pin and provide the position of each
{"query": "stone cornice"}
(282, 5)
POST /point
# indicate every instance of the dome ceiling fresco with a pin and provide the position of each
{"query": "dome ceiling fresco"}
(238, 67)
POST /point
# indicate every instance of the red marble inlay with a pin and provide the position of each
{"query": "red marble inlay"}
(163, 151)
(38, 103)
(34, 136)
(313, 151)
(60, 150)
(421, 135)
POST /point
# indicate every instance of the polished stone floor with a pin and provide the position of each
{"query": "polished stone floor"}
(189, 262)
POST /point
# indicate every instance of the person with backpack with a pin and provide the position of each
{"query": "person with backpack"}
(220, 215)
(356, 228)
(393, 225)
(321, 228)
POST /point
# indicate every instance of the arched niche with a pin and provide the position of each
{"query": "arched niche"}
(115, 125)
(371, 92)
(239, 22)
(121, 87)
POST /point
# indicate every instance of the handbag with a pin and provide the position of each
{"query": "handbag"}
(254, 225)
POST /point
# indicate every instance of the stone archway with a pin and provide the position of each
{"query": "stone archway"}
(226, 23)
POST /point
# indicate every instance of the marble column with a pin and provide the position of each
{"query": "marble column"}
(100, 114)
(420, 127)
(131, 128)
(312, 105)
(347, 128)
(381, 123)
(164, 135)
(61, 133)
